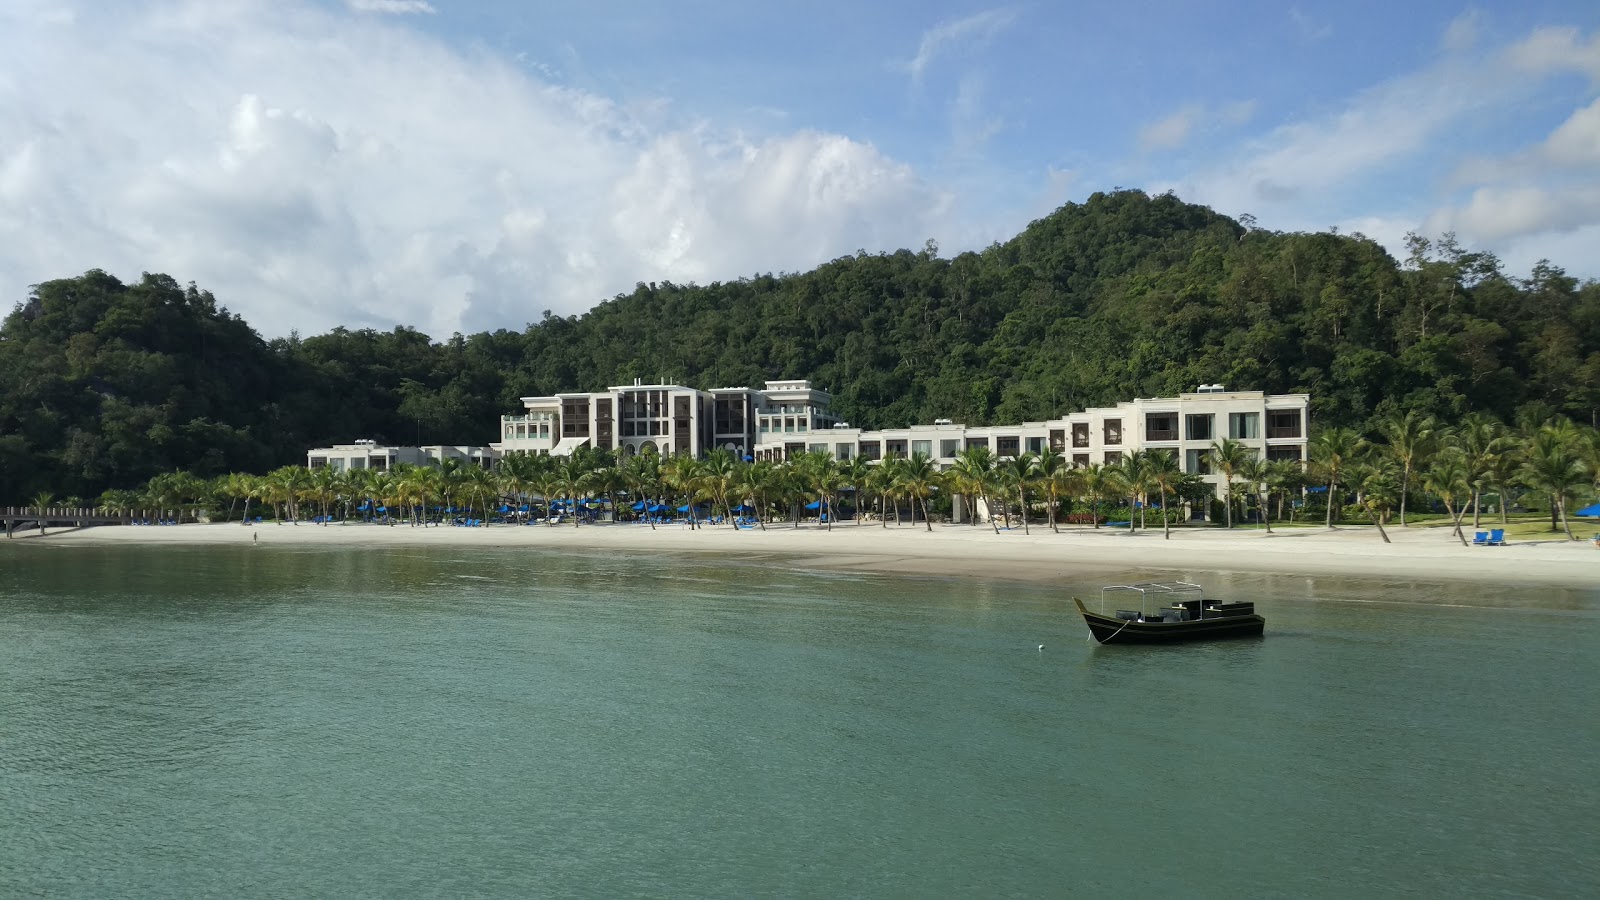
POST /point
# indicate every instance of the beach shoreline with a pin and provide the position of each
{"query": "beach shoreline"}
(1427, 553)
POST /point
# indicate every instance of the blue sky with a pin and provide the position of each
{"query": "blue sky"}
(466, 165)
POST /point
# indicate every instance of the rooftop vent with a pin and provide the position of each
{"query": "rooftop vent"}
(943, 422)
(1210, 389)
(841, 424)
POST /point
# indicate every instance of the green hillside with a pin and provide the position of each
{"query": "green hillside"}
(103, 384)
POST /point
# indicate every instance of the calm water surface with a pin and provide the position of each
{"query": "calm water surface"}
(255, 722)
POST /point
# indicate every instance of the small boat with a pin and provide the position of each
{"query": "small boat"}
(1169, 611)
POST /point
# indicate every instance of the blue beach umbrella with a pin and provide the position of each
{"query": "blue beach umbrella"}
(1589, 512)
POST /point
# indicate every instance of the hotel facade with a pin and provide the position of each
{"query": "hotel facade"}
(786, 418)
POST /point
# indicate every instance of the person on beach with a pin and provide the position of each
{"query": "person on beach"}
(255, 537)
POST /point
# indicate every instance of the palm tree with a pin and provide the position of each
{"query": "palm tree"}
(1056, 476)
(1376, 490)
(1164, 473)
(856, 473)
(1552, 467)
(1131, 476)
(1098, 483)
(322, 488)
(973, 473)
(1333, 450)
(918, 477)
(1449, 477)
(1017, 472)
(1228, 456)
(719, 475)
(1284, 477)
(680, 474)
(1411, 439)
(1256, 473)
(881, 481)
(573, 475)
(643, 477)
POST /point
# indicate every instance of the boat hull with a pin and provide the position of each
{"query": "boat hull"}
(1109, 630)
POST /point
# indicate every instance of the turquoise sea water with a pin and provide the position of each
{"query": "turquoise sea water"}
(271, 722)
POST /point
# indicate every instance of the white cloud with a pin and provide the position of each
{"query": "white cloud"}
(1557, 50)
(1174, 131)
(314, 168)
(1462, 33)
(974, 30)
(393, 7)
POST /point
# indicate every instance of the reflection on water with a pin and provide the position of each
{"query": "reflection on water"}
(288, 722)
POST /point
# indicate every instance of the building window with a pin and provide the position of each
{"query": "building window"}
(800, 424)
(1284, 451)
(1036, 445)
(1161, 426)
(949, 448)
(1080, 459)
(1197, 462)
(1113, 432)
(894, 448)
(1199, 426)
(842, 451)
(1058, 440)
(788, 425)
(871, 450)
(1244, 426)
(977, 442)
(1113, 457)
(1284, 423)
(1080, 434)
(819, 448)
(1008, 446)
(318, 462)
(923, 447)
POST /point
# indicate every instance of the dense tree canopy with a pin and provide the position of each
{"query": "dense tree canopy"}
(104, 384)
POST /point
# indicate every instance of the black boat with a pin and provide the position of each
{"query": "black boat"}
(1170, 612)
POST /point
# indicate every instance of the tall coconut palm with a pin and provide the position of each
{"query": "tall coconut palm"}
(918, 478)
(856, 473)
(1017, 473)
(719, 474)
(1099, 482)
(881, 481)
(973, 475)
(1228, 456)
(1131, 474)
(1164, 473)
(1450, 479)
(1411, 436)
(1376, 490)
(1257, 474)
(680, 474)
(1333, 450)
(1284, 477)
(573, 475)
(1553, 469)
(1055, 478)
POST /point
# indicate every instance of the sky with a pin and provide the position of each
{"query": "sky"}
(466, 166)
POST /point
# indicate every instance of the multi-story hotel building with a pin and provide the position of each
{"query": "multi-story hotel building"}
(668, 419)
(368, 455)
(789, 417)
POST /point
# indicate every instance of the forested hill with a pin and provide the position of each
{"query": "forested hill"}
(103, 384)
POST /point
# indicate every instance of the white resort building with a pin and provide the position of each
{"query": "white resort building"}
(368, 455)
(785, 418)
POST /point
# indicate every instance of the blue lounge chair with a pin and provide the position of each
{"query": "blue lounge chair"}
(1480, 538)
(1497, 537)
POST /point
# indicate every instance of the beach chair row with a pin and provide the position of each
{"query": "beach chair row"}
(1493, 538)
(154, 522)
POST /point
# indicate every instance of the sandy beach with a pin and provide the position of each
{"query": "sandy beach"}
(1428, 553)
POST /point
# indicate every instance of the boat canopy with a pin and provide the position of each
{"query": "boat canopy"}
(1186, 590)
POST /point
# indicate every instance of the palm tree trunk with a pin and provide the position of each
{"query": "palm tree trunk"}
(1381, 533)
(1230, 499)
(1054, 502)
(1561, 501)
(992, 522)
(1022, 502)
(1266, 511)
(1405, 482)
(1477, 508)
(1166, 524)
(1460, 535)
(1333, 484)
(925, 520)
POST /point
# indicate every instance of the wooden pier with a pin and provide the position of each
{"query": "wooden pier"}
(21, 518)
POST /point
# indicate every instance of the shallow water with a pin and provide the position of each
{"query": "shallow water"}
(356, 722)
